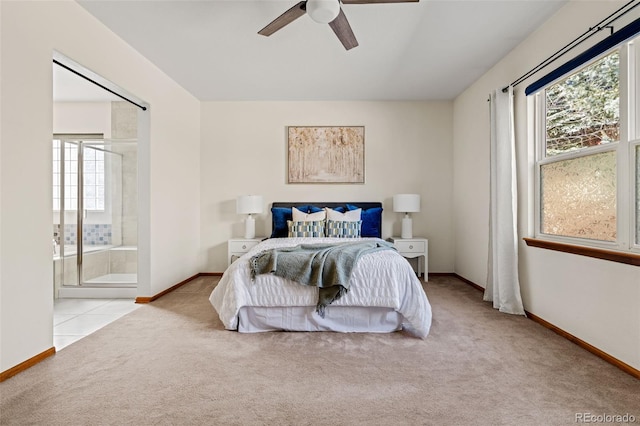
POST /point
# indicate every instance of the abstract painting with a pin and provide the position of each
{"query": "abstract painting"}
(326, 154)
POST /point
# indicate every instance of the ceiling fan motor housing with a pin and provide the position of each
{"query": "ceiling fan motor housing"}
(323, 11)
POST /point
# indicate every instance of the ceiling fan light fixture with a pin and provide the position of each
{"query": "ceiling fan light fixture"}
(323, 11)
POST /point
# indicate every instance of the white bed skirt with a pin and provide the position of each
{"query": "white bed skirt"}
(254, 319)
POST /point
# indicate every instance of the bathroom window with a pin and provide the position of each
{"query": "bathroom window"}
(93, 174)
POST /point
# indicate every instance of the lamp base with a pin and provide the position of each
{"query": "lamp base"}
(250, 227)
(407, 227)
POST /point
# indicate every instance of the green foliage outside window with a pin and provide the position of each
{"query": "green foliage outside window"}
(583, 110)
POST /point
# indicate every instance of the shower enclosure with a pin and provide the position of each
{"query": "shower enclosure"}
(94, 213)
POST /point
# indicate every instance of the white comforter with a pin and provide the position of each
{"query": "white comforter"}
(381, 279)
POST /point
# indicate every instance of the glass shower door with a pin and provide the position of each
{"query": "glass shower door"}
(109, 232)
(67, 203)
(95, 213)
(95, 218)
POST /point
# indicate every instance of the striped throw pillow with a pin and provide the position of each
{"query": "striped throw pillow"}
(306, 229)
(343, 229)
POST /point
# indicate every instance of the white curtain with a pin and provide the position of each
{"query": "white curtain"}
(503, 287)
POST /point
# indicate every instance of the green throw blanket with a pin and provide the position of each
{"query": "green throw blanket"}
(327, 266)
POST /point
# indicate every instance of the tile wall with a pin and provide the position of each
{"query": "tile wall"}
(93, 234)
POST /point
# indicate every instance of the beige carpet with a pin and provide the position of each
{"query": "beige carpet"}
(172, 363)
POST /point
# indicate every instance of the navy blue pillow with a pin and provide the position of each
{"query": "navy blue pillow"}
(371, 221)
(280, 217)
(309, 209)
(339, 209)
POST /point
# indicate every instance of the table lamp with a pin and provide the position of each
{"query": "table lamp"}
(249, 204)
(406, 203)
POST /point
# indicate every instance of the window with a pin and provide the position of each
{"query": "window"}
(93, 165)
(66, 161)
(588, 155)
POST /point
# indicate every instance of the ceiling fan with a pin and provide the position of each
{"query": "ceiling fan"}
(324, 12)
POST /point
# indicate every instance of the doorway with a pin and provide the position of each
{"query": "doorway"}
(96, 168)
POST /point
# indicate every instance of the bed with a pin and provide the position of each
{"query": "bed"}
(384, 294)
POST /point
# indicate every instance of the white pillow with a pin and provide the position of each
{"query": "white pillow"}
(299, 216)
(349, 216)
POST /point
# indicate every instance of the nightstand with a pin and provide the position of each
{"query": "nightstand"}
(236, 247)
(414, 247)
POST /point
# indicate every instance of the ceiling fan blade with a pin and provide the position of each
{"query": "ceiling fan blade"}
(286, 18)
(341, 27)
(377, 1)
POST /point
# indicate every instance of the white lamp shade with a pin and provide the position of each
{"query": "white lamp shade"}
(406, 203)
(249, 204)
(323, 11)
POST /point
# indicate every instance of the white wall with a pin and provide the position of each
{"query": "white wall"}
(169, 167)
(82, 117)
(596, 300)
(407, 149)
(1, 197)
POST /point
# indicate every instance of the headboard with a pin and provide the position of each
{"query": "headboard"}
(371, 215)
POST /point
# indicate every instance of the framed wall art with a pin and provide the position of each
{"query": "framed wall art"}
(325, 154)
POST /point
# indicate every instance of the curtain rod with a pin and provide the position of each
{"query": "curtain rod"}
(603, 24)
(99, 85)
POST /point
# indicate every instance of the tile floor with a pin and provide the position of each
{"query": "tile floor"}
(74, 319)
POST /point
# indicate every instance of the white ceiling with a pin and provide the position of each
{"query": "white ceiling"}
(429, 50)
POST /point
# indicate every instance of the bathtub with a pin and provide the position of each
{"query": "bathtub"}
(105, 267)
(70, 250)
